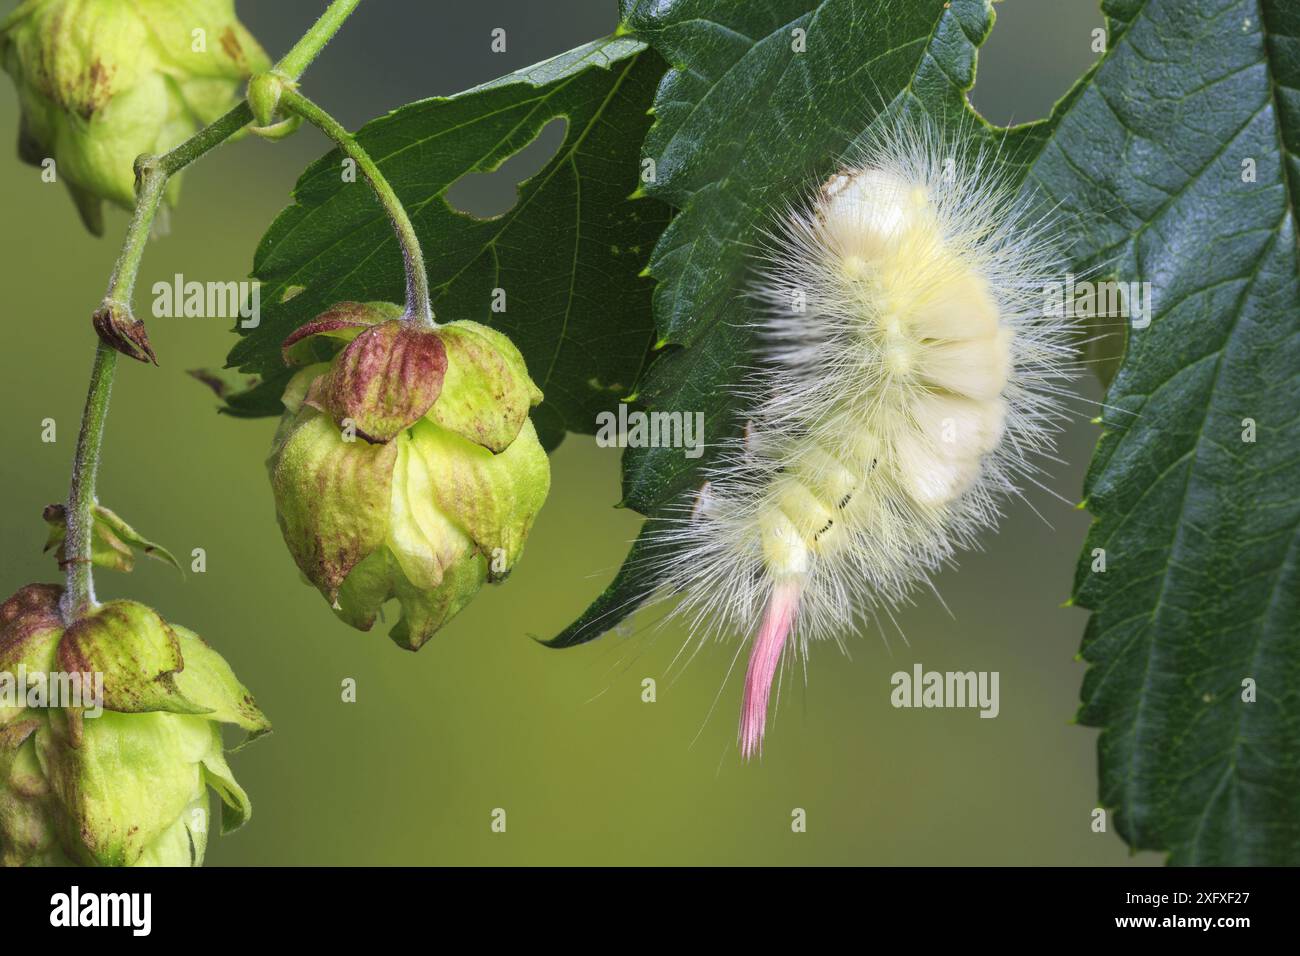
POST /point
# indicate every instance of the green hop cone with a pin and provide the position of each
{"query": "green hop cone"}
(110, 736)
(101, 82)
(405, 466)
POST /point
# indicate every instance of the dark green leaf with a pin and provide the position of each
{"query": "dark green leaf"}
(568, 254)
(1198, 525)
(623, 596)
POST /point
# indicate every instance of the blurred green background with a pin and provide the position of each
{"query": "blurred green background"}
(484, 717)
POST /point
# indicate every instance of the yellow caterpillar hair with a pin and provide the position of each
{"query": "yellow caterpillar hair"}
(909, 379)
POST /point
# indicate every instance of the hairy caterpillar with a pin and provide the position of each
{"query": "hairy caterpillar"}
(910, 377)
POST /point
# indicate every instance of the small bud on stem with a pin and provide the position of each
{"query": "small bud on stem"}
(121, 331)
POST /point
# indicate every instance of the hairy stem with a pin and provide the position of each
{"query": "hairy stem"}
(152, 174)
(419, 308)
(151, 182)
(296, 61)
(79, 594)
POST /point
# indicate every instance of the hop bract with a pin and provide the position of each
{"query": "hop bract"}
(101, 82)
(405, 466)
(110, 736)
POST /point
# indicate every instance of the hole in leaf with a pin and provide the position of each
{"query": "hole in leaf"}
(487, 195)
(1034, 54)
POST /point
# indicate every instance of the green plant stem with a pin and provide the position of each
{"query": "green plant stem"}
(419, 307)
(152, 174)
(151, 183)
(79, 592)
(294, 63)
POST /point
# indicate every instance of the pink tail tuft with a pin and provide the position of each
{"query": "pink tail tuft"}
(763, 661)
